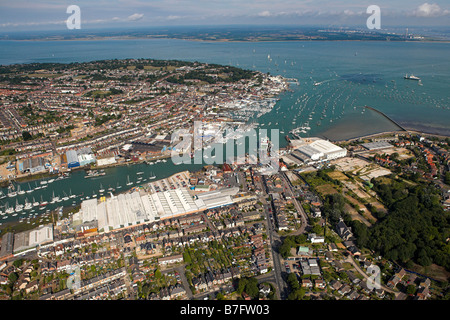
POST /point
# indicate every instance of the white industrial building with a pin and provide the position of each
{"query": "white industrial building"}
(129, 209)
(317, 150)
(329, 150)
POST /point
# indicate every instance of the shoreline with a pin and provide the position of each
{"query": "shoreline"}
(223, 40)
(13, 224)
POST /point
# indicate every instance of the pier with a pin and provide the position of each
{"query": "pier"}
(384, 115)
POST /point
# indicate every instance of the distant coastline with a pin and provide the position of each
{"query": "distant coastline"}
(228, 34)
(221, 40)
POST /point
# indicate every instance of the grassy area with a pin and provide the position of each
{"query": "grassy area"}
(326, 189)
(337, 175)
(43, 75)
(165, 68)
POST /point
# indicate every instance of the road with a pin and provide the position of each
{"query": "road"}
(275, 242)
(350, 260)
(289, 192)
(184, 281)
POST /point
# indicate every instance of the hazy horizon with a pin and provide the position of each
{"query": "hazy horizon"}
(51, 15)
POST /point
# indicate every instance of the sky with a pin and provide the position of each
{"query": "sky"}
(32, 15)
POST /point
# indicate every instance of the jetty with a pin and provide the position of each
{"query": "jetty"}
(384, 115)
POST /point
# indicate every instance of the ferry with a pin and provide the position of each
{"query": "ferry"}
(411, 77)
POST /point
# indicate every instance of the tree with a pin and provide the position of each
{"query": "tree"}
(12, 277)
(187, 257)
(423, 258)
(411, 289)
(293, 282)
(26, 136)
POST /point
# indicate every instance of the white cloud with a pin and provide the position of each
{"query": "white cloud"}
(430, 10)
(135, 17)
(264, 14)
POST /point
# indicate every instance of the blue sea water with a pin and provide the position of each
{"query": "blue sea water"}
(335, 79)
(351, 74)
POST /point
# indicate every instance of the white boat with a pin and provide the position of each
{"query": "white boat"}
(65, 198)
(43, 182)
(51, 180)
(8, 209)
(11, 193)
(28, 205)
(101, 189)
(19, 207)
(411, 77)
(20, 191)
(140, 172)
(54, 199)
(29, 189)
(71, 196)
(35, 203)
(128, 181)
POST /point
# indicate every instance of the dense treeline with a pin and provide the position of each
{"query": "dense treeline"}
(232, 75)
(416, 228)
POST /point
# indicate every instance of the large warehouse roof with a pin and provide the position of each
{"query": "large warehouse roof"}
(134, 208)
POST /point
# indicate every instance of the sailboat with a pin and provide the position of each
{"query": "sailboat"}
(118, 186)
(65, 198)
(2, 195)
(28, 205)
(101, 189)
(19, 207)
(43, 203)
(11, 193)
(128, 181)
(71, 196)
(29, 189)
(54, 199)
(35, 203)
(8, 209)
(93, 194)
(152, 175)
(20, 191)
